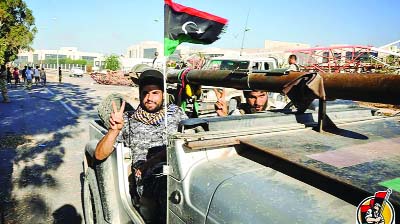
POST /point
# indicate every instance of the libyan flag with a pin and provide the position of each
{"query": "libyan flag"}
(185, 24)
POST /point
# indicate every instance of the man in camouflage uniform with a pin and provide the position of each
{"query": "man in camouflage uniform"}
(143, 131)
(3, 84)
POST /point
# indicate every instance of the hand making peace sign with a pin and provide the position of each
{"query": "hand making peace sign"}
(117, 117)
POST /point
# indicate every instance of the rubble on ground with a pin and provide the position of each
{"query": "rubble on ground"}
(112, 78)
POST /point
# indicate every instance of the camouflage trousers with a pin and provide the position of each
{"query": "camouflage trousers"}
(3, 89)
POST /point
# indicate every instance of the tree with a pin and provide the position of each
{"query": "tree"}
(17, 29)
(112, 62)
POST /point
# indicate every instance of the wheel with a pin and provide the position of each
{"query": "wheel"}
(92, 208)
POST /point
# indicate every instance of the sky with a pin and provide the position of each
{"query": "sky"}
(112, 26)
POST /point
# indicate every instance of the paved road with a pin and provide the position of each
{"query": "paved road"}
(42, 136)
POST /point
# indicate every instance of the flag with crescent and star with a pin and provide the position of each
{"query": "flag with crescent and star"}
(185, 24)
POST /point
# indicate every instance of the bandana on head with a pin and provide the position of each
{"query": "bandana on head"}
(148, 118)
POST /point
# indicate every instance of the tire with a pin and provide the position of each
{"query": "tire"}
(92, 208)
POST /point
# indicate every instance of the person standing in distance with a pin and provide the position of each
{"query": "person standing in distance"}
(293, 66)
(59, 75)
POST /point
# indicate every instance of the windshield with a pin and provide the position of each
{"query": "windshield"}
(227, 65)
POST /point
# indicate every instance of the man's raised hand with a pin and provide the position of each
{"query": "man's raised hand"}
(117, 117)
(220, 106)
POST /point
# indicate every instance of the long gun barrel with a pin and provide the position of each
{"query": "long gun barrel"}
(377, 88)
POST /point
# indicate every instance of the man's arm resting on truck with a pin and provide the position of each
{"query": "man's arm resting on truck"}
(106, 145)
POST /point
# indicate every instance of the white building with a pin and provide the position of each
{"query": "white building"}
(147, 49)
(39, 56)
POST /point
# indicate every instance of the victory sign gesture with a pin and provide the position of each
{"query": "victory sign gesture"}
(117, 117)
(220, 106)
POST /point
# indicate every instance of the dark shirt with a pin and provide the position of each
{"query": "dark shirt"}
(23, 73)
(140, 137)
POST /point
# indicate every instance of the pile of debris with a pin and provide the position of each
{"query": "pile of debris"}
(112, 78)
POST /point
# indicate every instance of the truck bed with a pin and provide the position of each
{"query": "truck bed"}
(352, 162)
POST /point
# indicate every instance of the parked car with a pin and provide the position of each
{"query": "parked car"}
(76, 72)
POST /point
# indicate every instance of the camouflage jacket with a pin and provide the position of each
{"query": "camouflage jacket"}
(140, 137)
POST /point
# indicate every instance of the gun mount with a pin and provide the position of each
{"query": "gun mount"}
(376, 88)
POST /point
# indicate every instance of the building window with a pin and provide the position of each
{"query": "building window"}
(149, 52)
(35, 58)
(21, 59)
(50, 56)
(88, 58)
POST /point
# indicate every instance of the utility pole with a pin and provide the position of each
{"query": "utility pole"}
(244, 32)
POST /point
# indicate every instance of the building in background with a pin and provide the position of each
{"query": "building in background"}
(40, 56)
(145, 53)
(147, 49)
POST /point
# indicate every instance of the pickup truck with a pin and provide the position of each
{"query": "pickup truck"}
(277, 166)
(270, 167)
